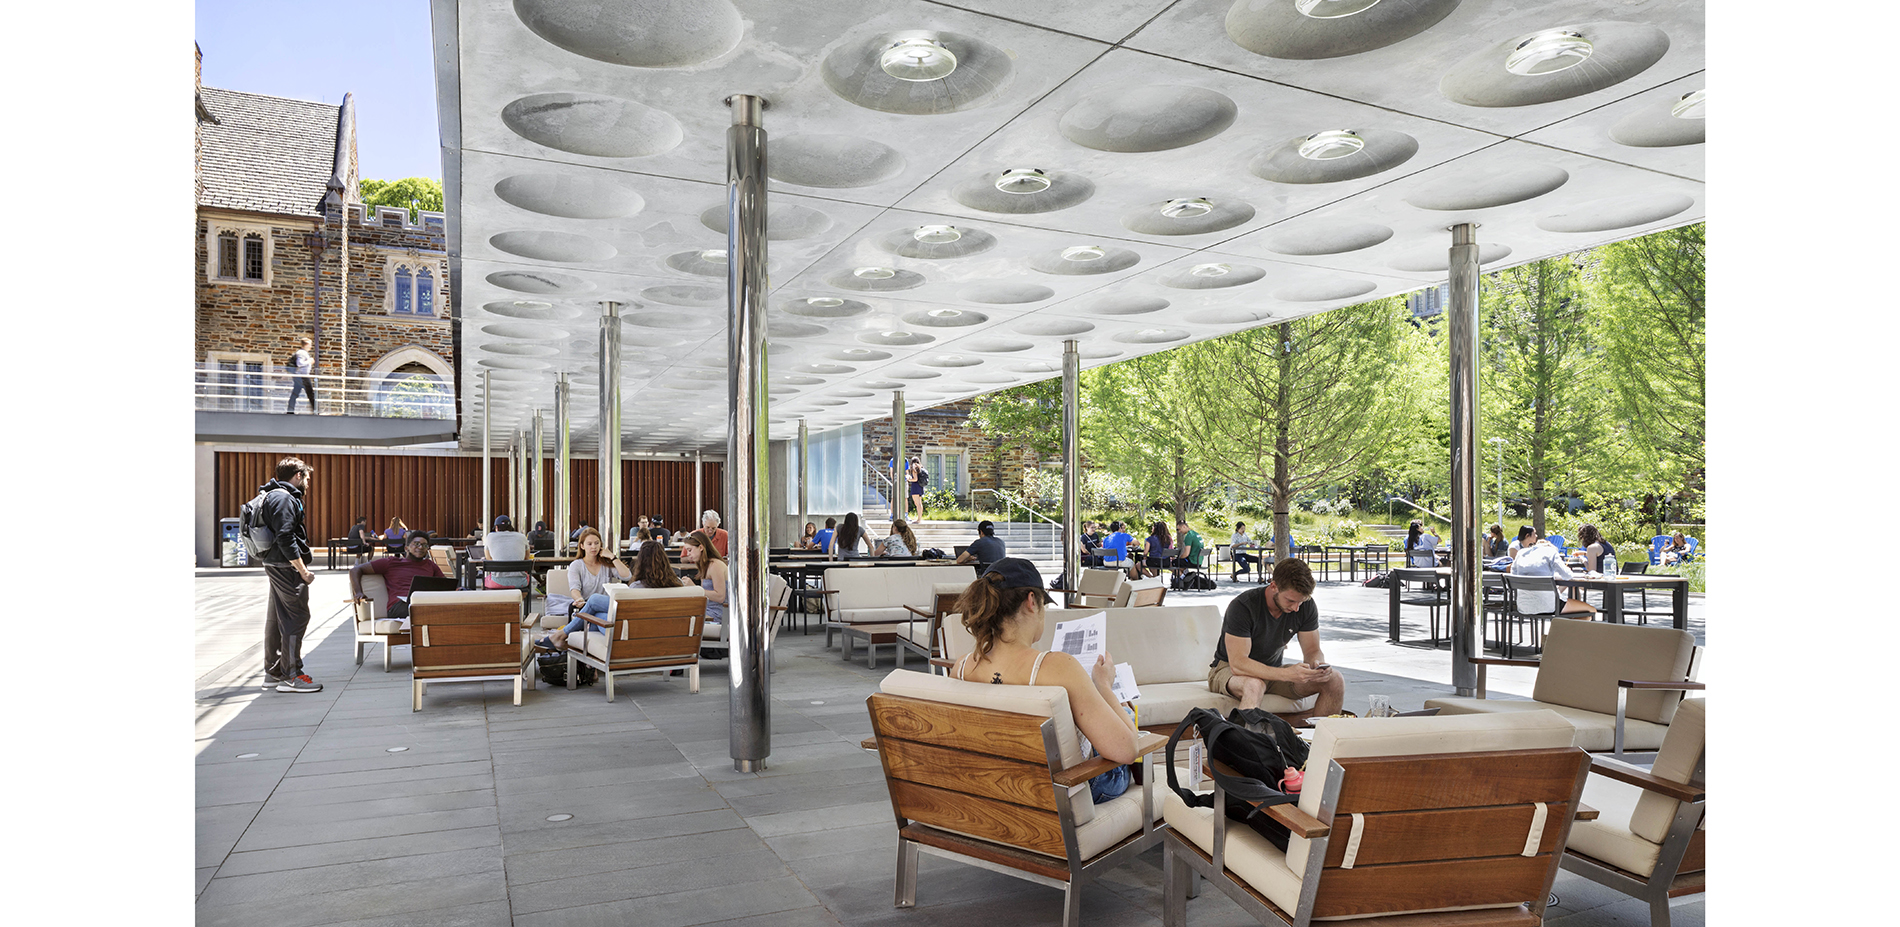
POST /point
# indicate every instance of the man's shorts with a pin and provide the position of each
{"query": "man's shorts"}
(1218, 676)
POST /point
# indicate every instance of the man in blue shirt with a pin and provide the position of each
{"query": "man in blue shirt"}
(1115, 546)
(823, 538)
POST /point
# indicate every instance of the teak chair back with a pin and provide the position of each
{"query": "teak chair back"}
(647, 631)
(470, 636)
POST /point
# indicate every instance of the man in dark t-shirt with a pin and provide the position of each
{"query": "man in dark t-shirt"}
(1262, 621)
(398, 573)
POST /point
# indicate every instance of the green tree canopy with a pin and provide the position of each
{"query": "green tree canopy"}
(1135, 424)
(412, 193)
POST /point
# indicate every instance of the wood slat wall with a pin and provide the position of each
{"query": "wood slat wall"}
(443, 494)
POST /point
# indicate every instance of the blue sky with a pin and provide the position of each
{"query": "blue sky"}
(378, 51)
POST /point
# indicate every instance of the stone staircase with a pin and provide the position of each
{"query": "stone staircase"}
(1393, 533)
(1039, 543)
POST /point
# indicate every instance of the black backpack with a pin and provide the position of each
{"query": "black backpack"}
(1381, 581)
(1258, 745)
(256, 536)
(553, 669)
(1191, 581)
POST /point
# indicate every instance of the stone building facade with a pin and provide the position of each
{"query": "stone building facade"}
(958, 455)
(283, 250)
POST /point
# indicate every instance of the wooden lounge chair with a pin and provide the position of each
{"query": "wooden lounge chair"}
(1433, 822)
(1647, 841)
(373, 624)
(645, 631)
(469, 636)
(993, 776)
(925, 634)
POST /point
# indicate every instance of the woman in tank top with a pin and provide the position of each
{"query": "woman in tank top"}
(1004, 611)
(700, 552)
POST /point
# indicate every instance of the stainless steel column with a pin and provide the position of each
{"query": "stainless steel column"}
(514, 476)
(1467, 620)
(536, 486)
(609, 477)
(488, 470)
(804, 475)
(900, 490)
(699, 487)
(749, 661)
(1071, 463)
(562, 448)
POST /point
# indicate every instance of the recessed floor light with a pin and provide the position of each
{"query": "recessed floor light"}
(1210, 270)
(1332, 9)
(1188, 208)
(918, 59)
(1084, 253)
(937, 234)
(874, 273)
(1023, 180)
(1691, 105)
(248, 756)
(1331, 144)
(558, 818)
(1548, 53)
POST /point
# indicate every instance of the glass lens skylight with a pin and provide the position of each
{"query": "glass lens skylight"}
(1210, 270)
(1331, 144)
(937, 234)
(1691, 105)
(1187, 209)
(1083, 253)
(1332, 9)
(874, 273)
(824, 302)
(1548, 53)
(917, 59)
(713, 257)
(1023, 180)
(946, 313)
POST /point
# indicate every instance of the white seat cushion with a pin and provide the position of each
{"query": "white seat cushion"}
(1608, 838)
(1247, 855)
(1596, 732)
(711, 630)
(863, 615)
(390, 625)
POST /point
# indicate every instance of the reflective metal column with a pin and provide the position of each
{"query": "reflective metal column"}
(749, 661)
(1071, 463)
(699, 485)
(1467, 596)
(488, 470)
(804, 475)
(609, 476)
(536, 487)
(900, 489)
(563, 436)
(514, 477)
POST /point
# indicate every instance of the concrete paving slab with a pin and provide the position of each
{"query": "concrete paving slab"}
(805, 822)
(262, 836)
(357, 903)
(549, 865)
(583, 834)
(219, 827)
(392, 849)
(290, 883)
(678, 909)
(666, 878)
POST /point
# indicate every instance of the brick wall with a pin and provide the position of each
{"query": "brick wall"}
(950, 426)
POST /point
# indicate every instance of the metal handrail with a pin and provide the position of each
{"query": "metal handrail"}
(217, 387)
(1055, 527)
(1420, 508)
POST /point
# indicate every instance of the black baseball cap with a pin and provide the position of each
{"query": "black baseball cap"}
(1017, 573)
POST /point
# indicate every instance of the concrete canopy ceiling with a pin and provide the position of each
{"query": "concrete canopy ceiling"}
(584, 156)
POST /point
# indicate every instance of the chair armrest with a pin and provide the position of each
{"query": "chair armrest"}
(1145, 743)
(869, 743)
(1645, 781)
(1586, 813)
(1662, 684)
(778, 608)
(919, 612)
(1297, 821)
(944, 662)
(1494, 661)
(599, 622)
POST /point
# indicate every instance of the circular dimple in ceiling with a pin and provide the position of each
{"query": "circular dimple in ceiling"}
(1149, 118)
(1035, 367)
(701, 263)
(1483, 189)
(876, 279)
(784, 222)
(565, 247)
(1128, 305)
(1329, 28)
(1329, 237)
(685, 295)
(1099, 352)
(538, 281)
(853, 393)
(990, 378)
(882, 384)
(1054, 327)
(1657, 126)
(1188, 216)
(521, 350)
(858, 355)
(945, 318)
(996, 345)
(823, 307)
(915, 374)
(1213, 275)
(925, 242)
(637, 33)
(829, 370)
(832, 161)
(1004, 294)
(673, 321)
(795, 330)
(501, 375)
(1437, 259)
(1151, 336)
(853, 71)
(896, 338)
(1084, 259)
(1064, 190)
(569, 196)
(1381, 150)
(1616, 212)
(1229, 316)
(950, 361)
(1324, 290)
(524, 331)
(514, 363)
(531, 310)
(592, 124)
(799, 381)
(1605, 54)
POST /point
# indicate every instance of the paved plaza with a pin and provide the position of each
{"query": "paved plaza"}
(344, 807)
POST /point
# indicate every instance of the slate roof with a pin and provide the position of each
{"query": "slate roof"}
(267, 154)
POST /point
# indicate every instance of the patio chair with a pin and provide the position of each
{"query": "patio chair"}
(1557, 541)
(467, 636)
(1434, 822)
(1689, 554)
(444, 557)
(1151, 591)
(646, 631)
(1421, 587)
(1510, 615)
(925, 635)
(373, 624)
(716, 636)
(1656, 545)
(1096, 589)
(1648, 839)
(994, 776)
(1641, 611)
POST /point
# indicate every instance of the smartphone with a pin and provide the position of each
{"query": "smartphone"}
(1324, 666)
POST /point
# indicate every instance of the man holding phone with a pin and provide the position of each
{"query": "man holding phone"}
(1256, 629)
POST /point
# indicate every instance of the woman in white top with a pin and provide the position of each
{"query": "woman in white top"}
(1240, 540)
(1004, 610)
(900, 542)
(1537, 557)
(587, 580)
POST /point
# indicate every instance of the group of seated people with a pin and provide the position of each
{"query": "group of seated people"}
(588, 576)
(851, 540)
(1531, 554)
(1160, 551)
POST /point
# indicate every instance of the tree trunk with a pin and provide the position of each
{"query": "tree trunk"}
(1180, 489)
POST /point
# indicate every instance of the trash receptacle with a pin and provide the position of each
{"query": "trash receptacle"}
(231, 552)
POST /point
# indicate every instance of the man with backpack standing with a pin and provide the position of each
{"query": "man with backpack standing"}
(287, 611)
(1254, 633)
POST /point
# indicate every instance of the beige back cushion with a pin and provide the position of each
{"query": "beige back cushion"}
(1584, 659)
(1341, 738)
(466, 597)
(1099, 582)
(1676, 761)
(378, 591)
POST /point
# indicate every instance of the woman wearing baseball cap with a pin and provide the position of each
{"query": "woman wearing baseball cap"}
(1004, 610)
